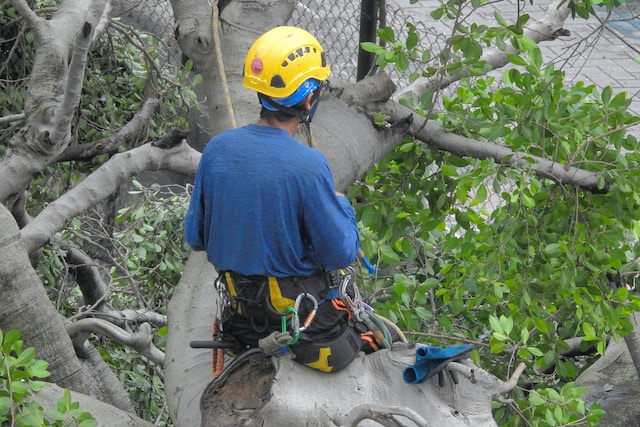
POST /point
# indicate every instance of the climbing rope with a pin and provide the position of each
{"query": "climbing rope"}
(220, 63)
(217, 355)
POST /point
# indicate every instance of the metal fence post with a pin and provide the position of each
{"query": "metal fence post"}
(368, 27)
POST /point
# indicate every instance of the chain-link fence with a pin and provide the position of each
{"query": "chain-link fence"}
(335, 24)
(337, 27)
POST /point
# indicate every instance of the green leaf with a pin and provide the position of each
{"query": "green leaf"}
(536, 400)
(19, 387)
(402, 63)
(11, 337)
(535, 351)
(516, 59)
(25, 356)
(5, 406)
(449, 170)
(424, 313)
(386, 34)
(388, 255)
(499, 19)
(370, 47)
(500, 336)
(589, 330)
(541, 325)
(412, 40)
(88, 423)
(64, 402)
(496, 325)
(553, 249)
(527, 201)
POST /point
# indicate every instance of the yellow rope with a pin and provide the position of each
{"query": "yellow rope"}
(223, 75)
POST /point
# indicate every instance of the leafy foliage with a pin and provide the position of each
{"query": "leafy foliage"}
(126, 68)
(139, 250)
(149, 255)
(19, 370)
(466, 249)
(150, 242)
(508, 258)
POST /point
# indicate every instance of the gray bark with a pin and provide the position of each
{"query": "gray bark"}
(613, 381)
(54, 88)
(190, 315)
(106, 415)
(302, 396)
(376, 378)
(633, 342)
(25, 306)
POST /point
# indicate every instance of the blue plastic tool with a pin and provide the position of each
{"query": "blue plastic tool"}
(431, 360)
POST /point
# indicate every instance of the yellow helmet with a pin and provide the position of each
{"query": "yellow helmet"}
(283, 58)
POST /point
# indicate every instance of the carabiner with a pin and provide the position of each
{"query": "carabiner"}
(355, 304)
(294, 320)
(312, 313)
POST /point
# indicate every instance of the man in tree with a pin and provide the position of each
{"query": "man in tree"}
(265, 210)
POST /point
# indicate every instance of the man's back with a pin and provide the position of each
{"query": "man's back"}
(268, 206)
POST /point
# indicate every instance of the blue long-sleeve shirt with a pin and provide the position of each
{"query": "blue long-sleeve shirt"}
(265, 204)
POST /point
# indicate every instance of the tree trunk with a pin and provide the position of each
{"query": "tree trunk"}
(25, 306)
(633, 342)
(290, 394)
(190, 315)
(613, 382)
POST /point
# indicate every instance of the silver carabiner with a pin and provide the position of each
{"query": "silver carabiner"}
(312, 314)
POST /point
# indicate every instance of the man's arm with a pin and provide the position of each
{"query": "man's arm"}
(194, 219)
(331, 223)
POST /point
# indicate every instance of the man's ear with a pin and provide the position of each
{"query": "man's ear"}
(307, 101)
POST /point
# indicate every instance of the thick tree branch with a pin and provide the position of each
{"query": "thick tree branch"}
(438, 138)
(110, 144)
(24, 301)
(140, 340)
(462, 146)
(125, 318)
(75, 81)
(87, 276)
(512, 382)
(30, 17)
(50, 100)
(12, 118)
(75, 75)
(104, 182)
(385, 415)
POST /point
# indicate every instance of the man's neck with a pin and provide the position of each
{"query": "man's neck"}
(290, 125)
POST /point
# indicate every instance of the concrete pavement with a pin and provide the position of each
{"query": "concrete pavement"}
(601, 50)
